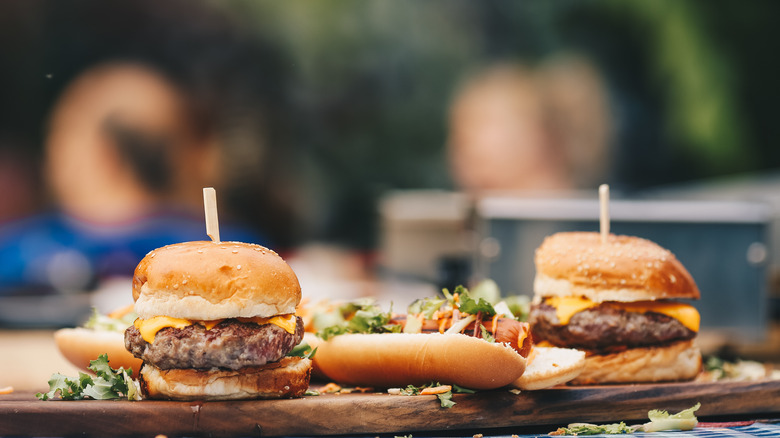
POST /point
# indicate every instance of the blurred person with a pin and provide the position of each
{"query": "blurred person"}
(513, 129)
(500, 138)
(517, 128)
(153, 102)
(19, 179)
(125, 164)
(120, 145)
(580, 116)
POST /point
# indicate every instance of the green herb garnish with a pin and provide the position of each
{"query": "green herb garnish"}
(486, 334)
(303, 350)
(445, 398)
(367, 318)
(107, 384)
(426, 306)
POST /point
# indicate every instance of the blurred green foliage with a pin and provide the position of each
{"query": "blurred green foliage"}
(377, 77)
(692, 84)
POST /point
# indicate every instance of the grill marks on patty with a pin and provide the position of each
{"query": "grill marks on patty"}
(231, 344)
(606, 328)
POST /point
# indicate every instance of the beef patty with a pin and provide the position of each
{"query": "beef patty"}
(230, 344)
(605, 328)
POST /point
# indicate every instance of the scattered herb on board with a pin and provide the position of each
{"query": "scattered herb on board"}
(659, 421)
(442, 392)
(107, 384)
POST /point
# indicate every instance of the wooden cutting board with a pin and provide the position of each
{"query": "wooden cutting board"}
(380, 413)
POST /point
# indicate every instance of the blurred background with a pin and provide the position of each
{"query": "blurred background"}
(375, 143)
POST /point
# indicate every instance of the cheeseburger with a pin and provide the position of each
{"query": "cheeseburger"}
(215, 322)
(616, 301)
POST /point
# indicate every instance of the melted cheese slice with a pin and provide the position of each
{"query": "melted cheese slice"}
(149, 327)
(566, 307)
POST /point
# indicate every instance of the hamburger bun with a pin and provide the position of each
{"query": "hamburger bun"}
(399, 359)
(286, 378)
(82, 345)
(551, 366)
(676, 362)
(205, 280)
(625, 269)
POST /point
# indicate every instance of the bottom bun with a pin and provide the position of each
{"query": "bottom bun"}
(675, 362)
(284, 379)
(400, 359)
(81, 345)
(551, 366)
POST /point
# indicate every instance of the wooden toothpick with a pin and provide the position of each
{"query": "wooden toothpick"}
(210, 206)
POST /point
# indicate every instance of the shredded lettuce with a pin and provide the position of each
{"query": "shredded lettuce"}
(413, 324)
(580, 429)
(107, 323)
(426, 306)
(366, 318)
(445, 398)
(659, 421)
(519, 305)
(107, 384)
(486, 334)
(488, 290)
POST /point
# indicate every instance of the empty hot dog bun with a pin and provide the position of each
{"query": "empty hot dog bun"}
(400, 359)
(551, 366)
(82, 345)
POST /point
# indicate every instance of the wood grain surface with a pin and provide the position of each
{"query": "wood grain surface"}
(379, 413)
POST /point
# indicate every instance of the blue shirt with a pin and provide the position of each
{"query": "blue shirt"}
(53, 252)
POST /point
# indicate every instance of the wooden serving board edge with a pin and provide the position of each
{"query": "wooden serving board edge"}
(341, 414)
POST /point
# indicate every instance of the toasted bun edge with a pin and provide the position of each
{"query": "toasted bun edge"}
(287, 378)
(680, 361)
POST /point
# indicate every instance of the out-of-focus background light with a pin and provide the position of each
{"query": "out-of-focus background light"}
(321, 124)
